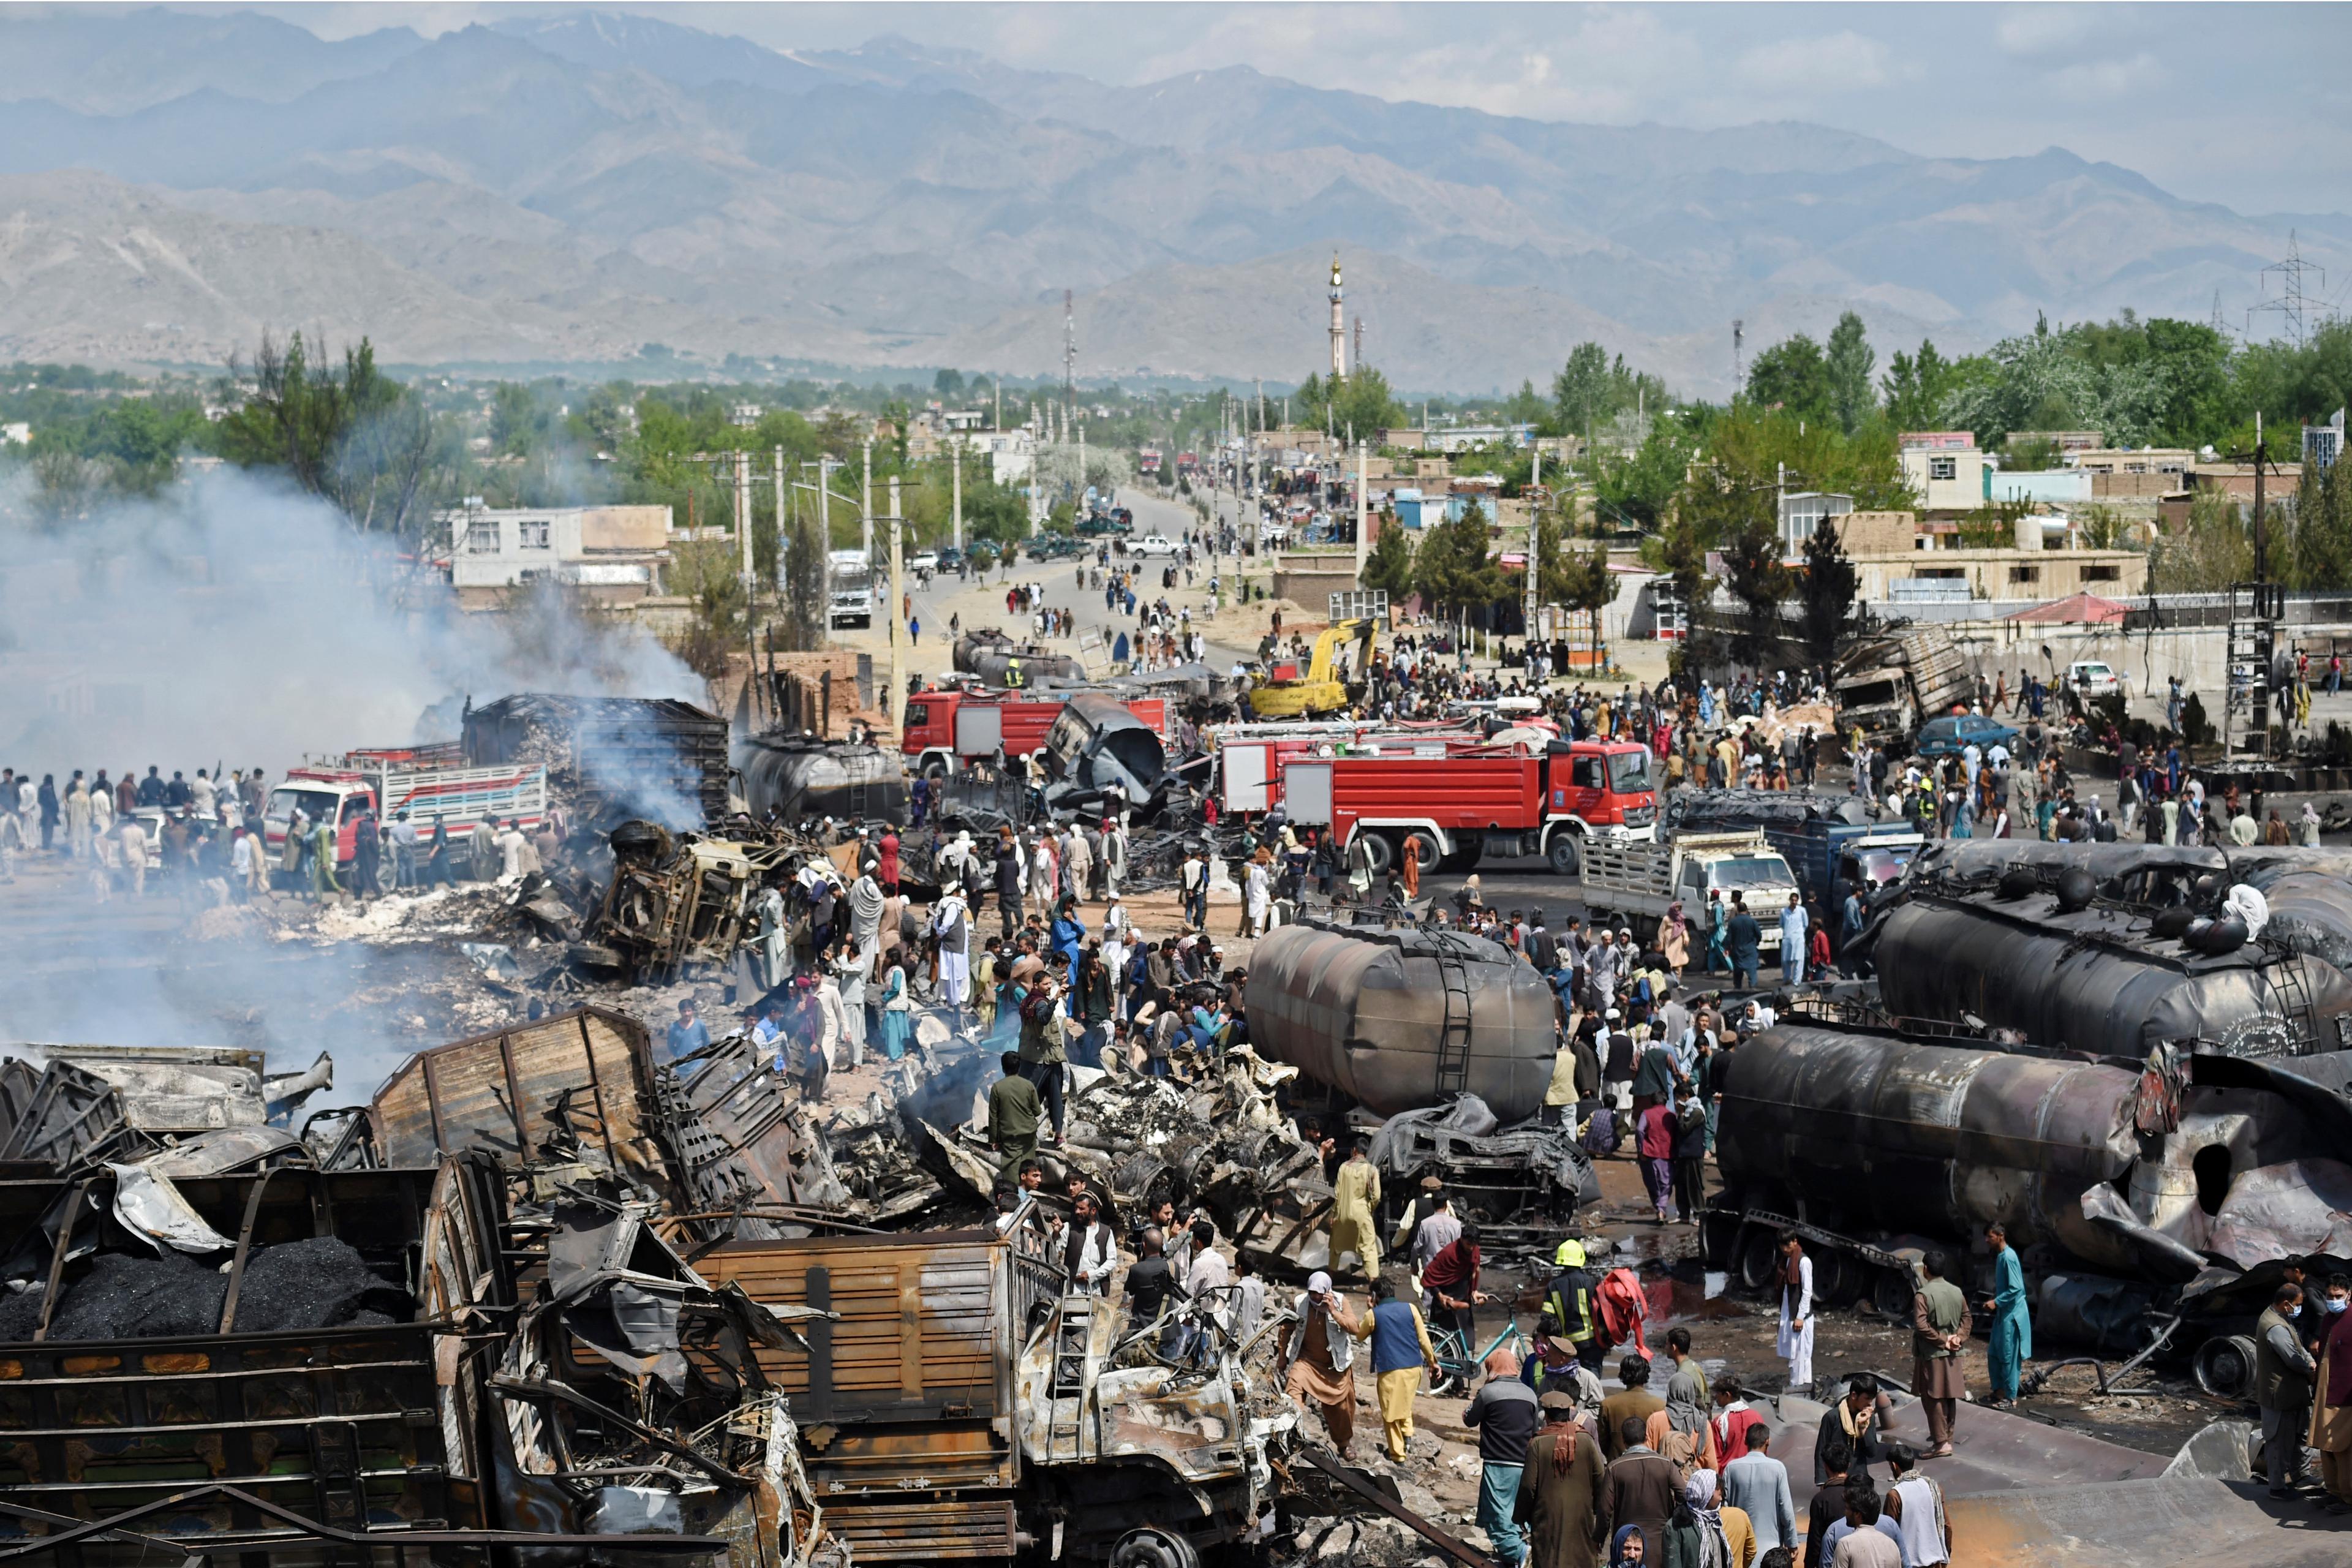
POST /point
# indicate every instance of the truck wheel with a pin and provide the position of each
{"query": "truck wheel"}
(1421, 845)
(1565, 854)
(1148, 1546)
(1760, 1255)
(1380, 854)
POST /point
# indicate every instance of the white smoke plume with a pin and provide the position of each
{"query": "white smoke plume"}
(232, 622)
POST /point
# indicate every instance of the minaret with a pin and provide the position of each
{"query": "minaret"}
(1338, 325)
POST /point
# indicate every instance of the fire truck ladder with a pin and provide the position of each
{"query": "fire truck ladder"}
(1453, 1036)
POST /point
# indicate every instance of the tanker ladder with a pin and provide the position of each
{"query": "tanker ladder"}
(1072, 1378)
(1453, 1037)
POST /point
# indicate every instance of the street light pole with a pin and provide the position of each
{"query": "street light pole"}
(897, 704)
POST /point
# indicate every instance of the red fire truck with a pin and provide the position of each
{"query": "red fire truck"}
(1448, 810)
(945, 728)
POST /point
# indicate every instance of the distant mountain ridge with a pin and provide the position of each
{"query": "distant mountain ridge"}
(572, 186)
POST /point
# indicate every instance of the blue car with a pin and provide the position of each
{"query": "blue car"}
(1950, 737)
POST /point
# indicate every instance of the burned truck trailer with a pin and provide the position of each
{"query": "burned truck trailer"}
(1402, 1018)
(2108, 949)
(610, 758)
(2145, 1170)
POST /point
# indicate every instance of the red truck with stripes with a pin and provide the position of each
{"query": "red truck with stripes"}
(1447, 811)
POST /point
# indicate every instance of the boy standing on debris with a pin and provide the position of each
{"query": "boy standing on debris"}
(1039, 1002)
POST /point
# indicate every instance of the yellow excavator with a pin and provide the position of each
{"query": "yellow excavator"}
(1323, 689)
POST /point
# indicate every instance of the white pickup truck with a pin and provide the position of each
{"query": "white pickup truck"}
(1639, 880)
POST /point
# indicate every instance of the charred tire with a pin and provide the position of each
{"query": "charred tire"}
(1422, 846)
(1839, 1279)
(1758, 1256)
(1566, 855)
(1380, 854)
(1891, 1293)
(1152, 1547)
(1718, 1240)
(2224, 1366)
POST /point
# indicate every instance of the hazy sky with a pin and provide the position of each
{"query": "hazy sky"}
(2249, 105)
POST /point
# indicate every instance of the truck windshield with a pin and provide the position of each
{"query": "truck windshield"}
(315, 803)
(1882, 865)
(1746, 871)
(1629, 773)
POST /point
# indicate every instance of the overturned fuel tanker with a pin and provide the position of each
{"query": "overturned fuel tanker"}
(2129, 1056)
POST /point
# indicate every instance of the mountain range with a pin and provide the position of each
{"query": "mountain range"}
(572, 189)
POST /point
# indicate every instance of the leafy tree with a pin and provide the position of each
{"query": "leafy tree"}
(949, 384)
(358, 439)
(1526, 406)
(1389, 564)
(517, 421)
(1360, 401)
(1827, 593)
(1638, 489)
(1451, 568)
(1915, 386)
(1753, 571)
(1848, 362)
(2205, 556)
(1792, 375)
(2320, 553)
(1583, 391)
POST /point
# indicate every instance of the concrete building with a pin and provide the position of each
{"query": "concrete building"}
(614, 554)
(1896, 561)
(1947, 479)
(2038, 487)
(1803, 512)
(2172, 460)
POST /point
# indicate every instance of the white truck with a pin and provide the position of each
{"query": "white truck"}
(1639, 880)
(848, 589)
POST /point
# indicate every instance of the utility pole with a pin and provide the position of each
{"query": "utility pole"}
(865, 506)
(955, 458)
(784, 534)
(1069, 359)
(2261, 532)
(1363, 515)
(897, 704)
(750, 582)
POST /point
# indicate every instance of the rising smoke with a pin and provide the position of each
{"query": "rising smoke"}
(232, 622)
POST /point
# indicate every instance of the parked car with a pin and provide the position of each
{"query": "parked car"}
(950, 559)
(1949, 737)
(923, 561)
(1155, 544)
(1054, 547)
(2092, 678)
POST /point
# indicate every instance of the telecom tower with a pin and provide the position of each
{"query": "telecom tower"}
(1360, 342)
(1739, 355)
(2293, 303)
(1338, 325)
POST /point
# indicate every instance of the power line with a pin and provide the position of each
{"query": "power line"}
(2293, 303)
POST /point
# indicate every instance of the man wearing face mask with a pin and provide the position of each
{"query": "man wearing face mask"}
(2283, 1388)
(2331, 1421)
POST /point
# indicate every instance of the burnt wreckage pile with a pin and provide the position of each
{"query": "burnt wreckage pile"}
(2133, 1058)
(543, 1293)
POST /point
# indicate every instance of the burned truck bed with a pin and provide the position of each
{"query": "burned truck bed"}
(958, 1405)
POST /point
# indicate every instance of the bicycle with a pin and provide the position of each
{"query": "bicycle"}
(1456, 1367)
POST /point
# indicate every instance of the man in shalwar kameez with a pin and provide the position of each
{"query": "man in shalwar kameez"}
(2011, 1344)
(1355, 1198)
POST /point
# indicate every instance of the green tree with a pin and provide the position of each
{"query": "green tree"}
(1827, 593)
(1451, 568)
(1915, 386)
(949, 384)
(517, 421)
(1582, 392)
(1792, 375)
(1636, 490)
(2213, 549)
(1526, 406)
(1359, 402)
(1753, 571)
(2320, 554)
(1389, 564)
(1848, 362)
(359, 439)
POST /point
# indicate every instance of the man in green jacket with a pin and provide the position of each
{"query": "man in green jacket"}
(1013, 1110)
(1939, 1332)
